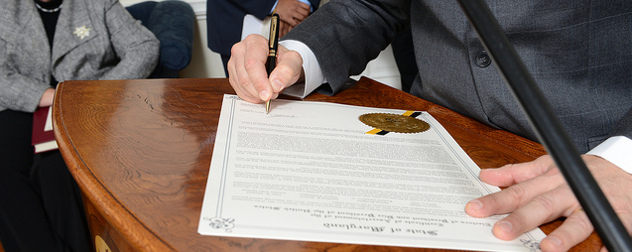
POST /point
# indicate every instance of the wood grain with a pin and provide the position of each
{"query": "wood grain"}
(140, 151)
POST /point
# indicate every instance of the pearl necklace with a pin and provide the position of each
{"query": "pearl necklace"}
(48, 10)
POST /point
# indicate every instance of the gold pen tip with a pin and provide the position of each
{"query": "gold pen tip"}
(268, 107)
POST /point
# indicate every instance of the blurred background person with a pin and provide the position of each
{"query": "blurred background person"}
(228, 21)
(43, 42)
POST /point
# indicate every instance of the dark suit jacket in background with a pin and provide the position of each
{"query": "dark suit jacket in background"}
(579, 52)
(225, 18)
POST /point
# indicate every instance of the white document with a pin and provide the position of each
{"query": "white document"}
(309, 171)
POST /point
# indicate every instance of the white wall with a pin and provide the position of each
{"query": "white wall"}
(208, 64)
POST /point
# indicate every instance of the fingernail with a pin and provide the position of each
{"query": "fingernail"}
(505, 226)
(278, 86)
(264, 95)
(554, 240)
(475, 205)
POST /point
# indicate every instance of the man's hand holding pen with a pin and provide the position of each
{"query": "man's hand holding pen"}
(247, 72)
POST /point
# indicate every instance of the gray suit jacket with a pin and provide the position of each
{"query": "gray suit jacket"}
(579, 52)
(94, 39)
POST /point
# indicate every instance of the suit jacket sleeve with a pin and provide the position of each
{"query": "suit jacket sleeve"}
(17, 92)
(340, 48)
(257, 8)
(315, 4)
(224, 21)
(136, 46)
(624, 127)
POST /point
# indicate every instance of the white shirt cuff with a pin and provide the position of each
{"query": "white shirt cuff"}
(314, 76)
(616, 150)
(253, 25)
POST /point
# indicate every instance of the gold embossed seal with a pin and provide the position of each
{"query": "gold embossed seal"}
(394, 123)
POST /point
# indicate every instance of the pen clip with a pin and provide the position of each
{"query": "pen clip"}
(274, 34)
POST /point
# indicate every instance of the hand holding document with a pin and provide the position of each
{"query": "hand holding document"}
(319, 171)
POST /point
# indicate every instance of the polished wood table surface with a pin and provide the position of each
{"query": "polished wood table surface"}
(140, 151)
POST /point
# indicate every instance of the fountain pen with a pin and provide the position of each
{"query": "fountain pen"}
(272, 53)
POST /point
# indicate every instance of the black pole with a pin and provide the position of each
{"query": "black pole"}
(547, 127)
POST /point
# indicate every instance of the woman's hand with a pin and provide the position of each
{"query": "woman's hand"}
(47, 98)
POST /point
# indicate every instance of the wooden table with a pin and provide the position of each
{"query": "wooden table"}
(140, 151)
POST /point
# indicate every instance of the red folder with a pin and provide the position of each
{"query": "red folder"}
(42, 139)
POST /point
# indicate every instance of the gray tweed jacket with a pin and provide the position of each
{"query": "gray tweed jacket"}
(94, 39)
(579, 52)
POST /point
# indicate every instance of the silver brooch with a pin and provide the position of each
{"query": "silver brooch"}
(82, 32)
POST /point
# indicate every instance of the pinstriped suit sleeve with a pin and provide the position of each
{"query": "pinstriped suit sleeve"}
(225, 20)
(258, 8)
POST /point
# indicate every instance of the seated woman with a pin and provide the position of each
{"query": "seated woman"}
(43, 42)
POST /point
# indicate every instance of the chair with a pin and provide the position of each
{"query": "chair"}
(172, 22)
